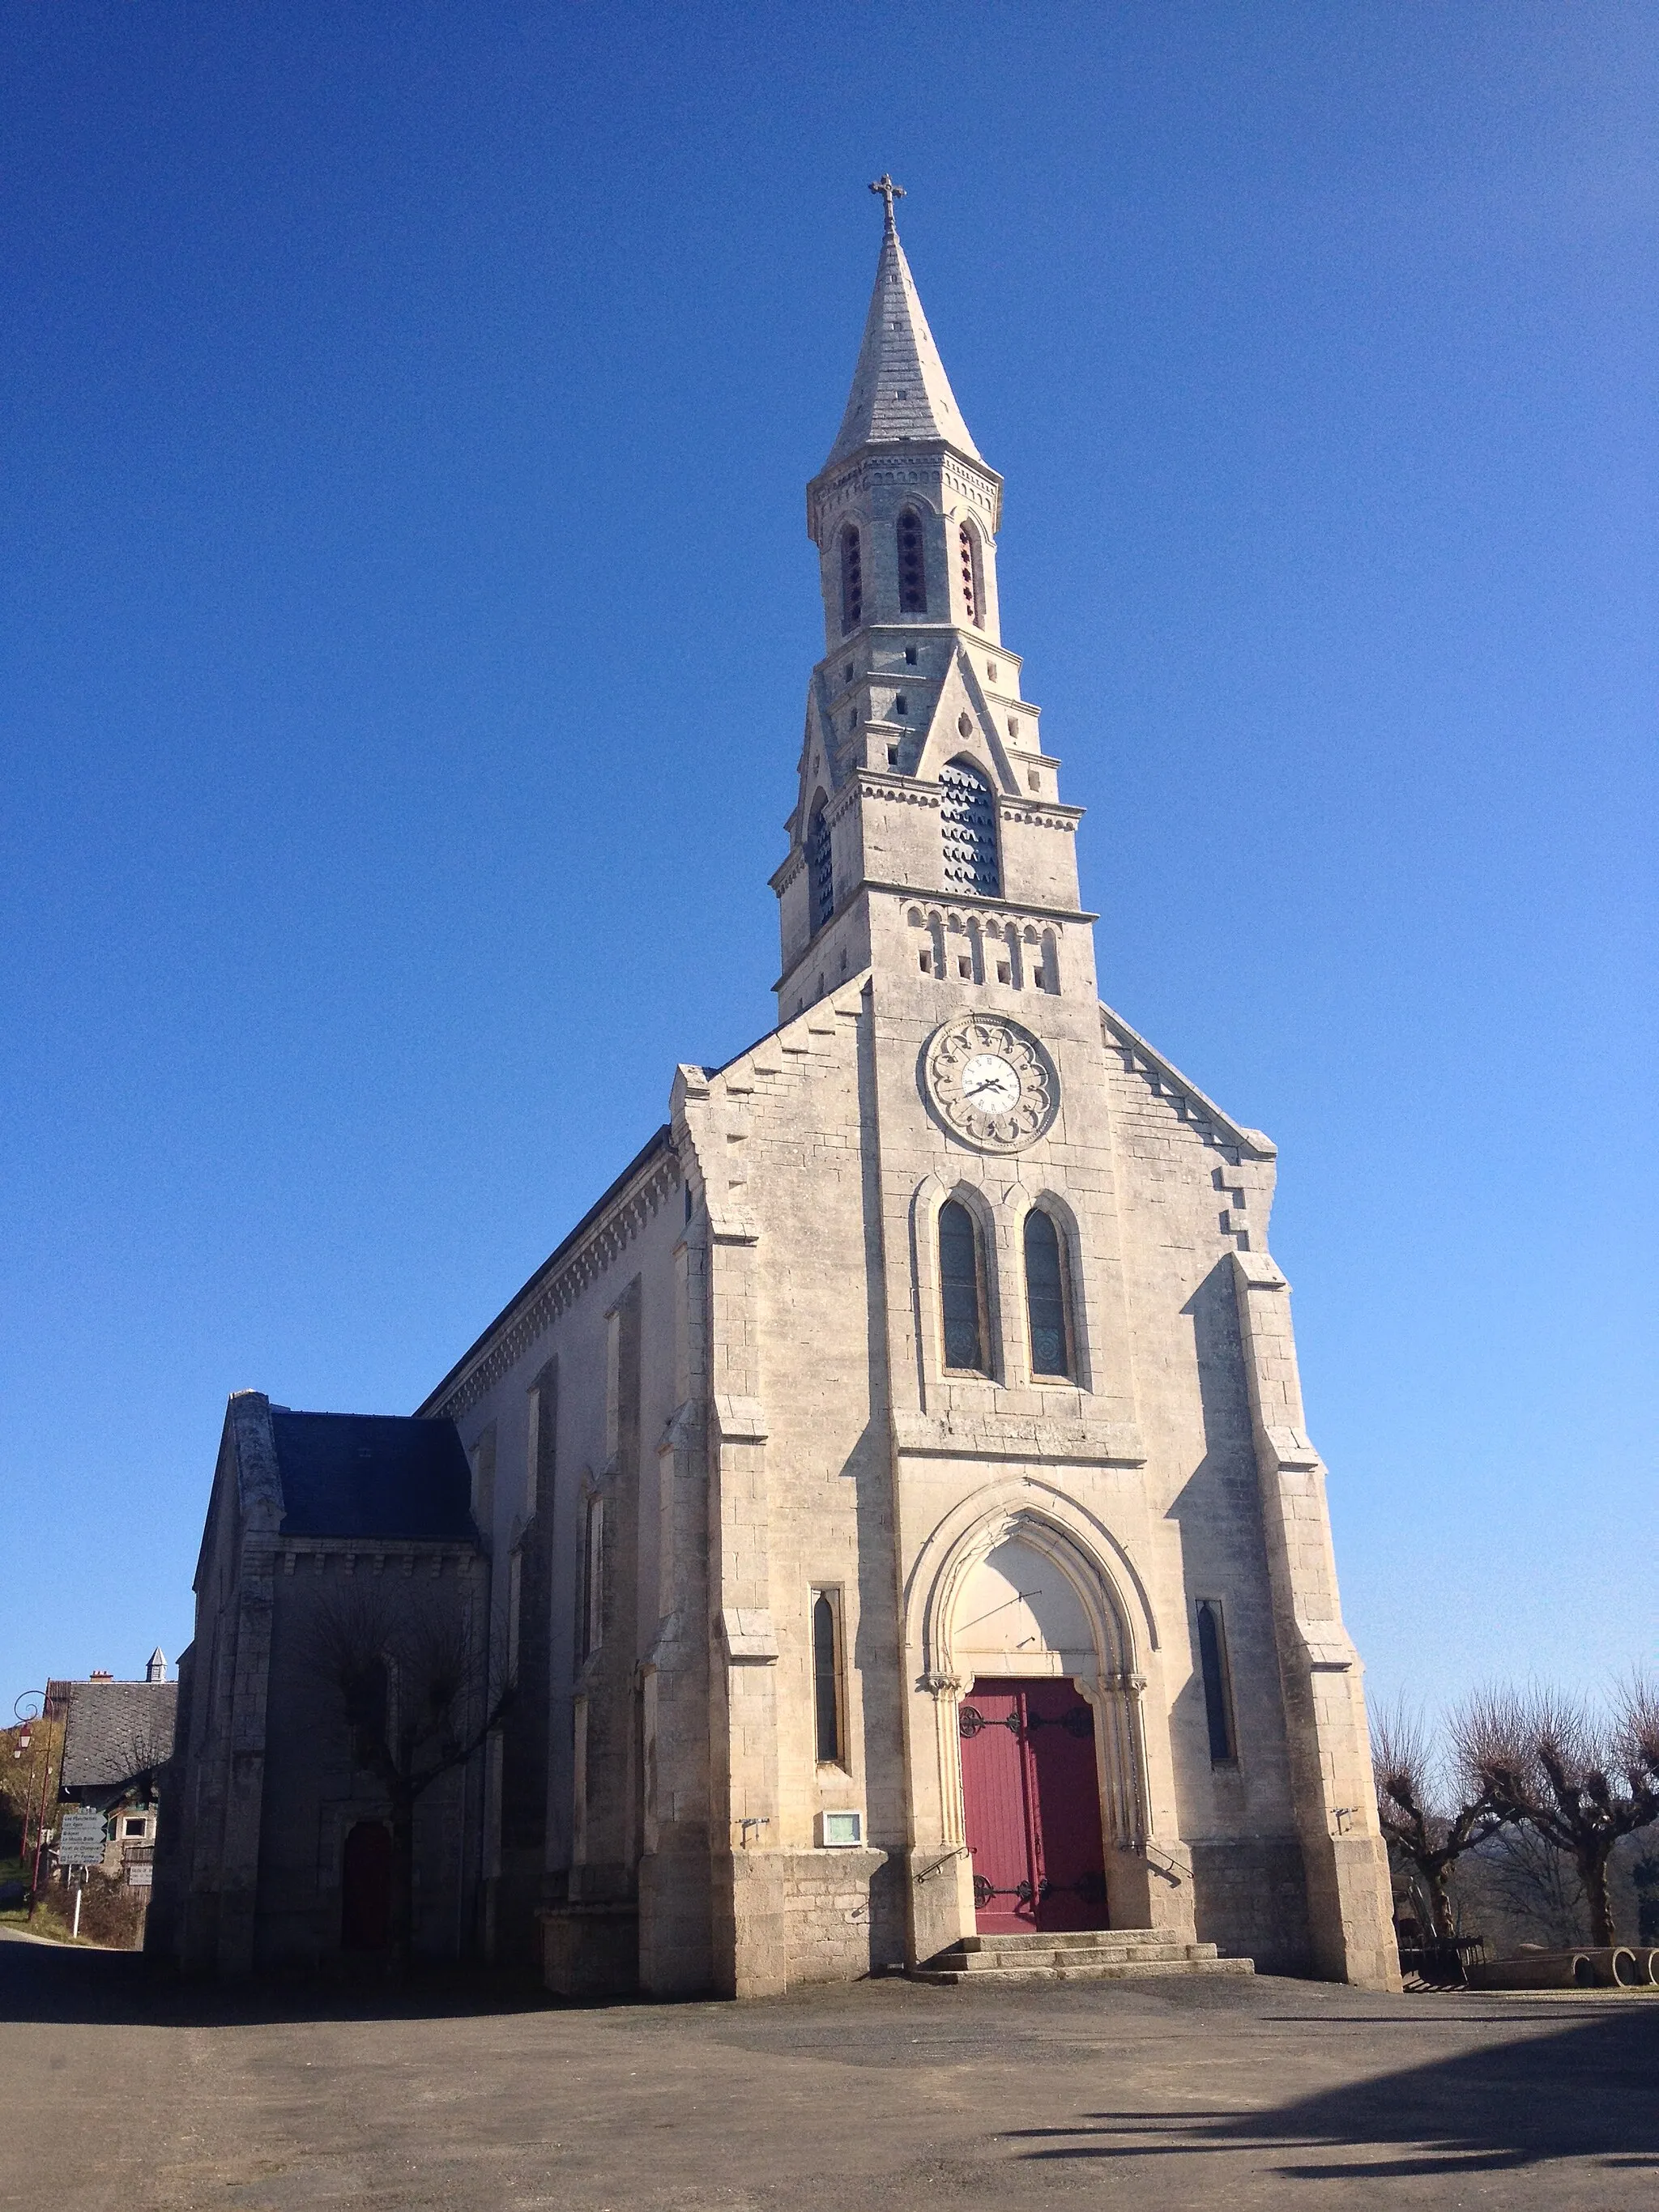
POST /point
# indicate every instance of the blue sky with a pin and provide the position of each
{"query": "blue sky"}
(406, 616)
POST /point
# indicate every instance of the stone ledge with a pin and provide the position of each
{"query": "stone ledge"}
(1025, 1436)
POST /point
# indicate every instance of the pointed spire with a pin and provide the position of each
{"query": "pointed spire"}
(900, 389)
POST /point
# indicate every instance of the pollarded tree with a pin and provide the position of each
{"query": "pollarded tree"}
(1580, 1781)
(1423, 1824)
(411, 1676)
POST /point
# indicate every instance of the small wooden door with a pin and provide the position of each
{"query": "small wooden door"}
(1031, 1796)
(366, 1888)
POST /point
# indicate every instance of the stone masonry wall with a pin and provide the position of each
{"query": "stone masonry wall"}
(844, 1914)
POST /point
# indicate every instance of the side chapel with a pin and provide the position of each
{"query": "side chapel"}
(894, 1493)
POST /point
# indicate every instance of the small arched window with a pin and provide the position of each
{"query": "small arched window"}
(1046, 1302)
(912, 565)
(1218, 1685)
(961, 1290)
(826, 1679)
(820, 868)
(851, 580)
(972, 587)
(968, 826)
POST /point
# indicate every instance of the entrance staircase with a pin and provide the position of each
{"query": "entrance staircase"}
(1115, 1954)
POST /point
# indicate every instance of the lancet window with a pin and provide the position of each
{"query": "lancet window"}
(967, 825)
(912, 565)
(820, 868)
(1046, 1305)
(851, 580)
(1217, 1684)
(962, 1289)
(973, 588)
(826, 1678)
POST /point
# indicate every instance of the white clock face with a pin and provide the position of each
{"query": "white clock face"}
(990, 1082)
(989, 1085)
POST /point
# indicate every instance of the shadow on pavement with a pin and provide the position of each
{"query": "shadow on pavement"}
(1585, 2091)
(50, 1983)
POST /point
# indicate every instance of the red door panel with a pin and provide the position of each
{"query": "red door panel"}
(1061, 1736)
(1031, 1798)
(994, 1802)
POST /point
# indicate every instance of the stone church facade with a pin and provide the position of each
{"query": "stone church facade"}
(892, 1500)
(896, 1494)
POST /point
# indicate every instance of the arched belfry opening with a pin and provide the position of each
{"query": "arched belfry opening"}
(971, 564)
(968, 826)
(851, 580)
(912, 564)
(820, 865)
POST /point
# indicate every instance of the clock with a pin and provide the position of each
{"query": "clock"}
(990, 1082)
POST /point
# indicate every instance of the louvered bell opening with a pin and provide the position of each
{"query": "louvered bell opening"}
(968, 821)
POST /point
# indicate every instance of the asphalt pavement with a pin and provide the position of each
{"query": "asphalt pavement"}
(125, 2091)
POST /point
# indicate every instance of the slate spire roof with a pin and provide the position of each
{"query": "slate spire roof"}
(900, 389)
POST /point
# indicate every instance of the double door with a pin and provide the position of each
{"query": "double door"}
(1031, 1796)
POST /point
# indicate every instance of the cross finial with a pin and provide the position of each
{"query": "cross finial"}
(889, 192)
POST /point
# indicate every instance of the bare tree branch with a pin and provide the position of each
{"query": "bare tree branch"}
(1427, 1829)
(410, 1676)
(1579, 1781)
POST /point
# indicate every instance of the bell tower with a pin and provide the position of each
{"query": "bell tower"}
(922, 768)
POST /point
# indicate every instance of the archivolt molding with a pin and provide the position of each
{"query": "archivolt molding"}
(1083, 1547)
(1083, 1551)
(599, 1250)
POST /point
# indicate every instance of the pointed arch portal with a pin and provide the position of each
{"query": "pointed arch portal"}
(1031, 1643)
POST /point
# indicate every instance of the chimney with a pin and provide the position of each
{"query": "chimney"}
(100, 1674)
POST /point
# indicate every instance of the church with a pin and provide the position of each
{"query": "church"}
(893, 1498)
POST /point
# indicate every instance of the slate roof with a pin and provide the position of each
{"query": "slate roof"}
(373, 1474)
(116, 1730)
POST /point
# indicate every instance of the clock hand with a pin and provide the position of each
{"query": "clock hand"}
(995, 1083)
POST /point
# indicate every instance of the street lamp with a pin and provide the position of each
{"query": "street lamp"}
(26, 1739)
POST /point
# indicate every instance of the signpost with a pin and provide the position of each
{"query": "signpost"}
(80, 1844)
(81, 1839)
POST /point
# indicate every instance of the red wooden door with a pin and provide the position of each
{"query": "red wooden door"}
(366, 1888)
(1059, 1733)
(997, 1805)
(1031, 1798)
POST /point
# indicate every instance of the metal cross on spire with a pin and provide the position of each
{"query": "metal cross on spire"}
(889, 192)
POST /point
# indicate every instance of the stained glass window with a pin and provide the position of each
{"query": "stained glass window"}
(1045, 1295)
(961, 1295)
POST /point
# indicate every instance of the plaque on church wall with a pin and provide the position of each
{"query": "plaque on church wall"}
(991, 1082)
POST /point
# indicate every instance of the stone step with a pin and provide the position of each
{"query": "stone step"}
(1051, 1953)
(1077, 1968)
(1081, 1939)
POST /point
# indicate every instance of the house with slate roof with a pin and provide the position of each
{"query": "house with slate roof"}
(274, 1849)
(118, 1741)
